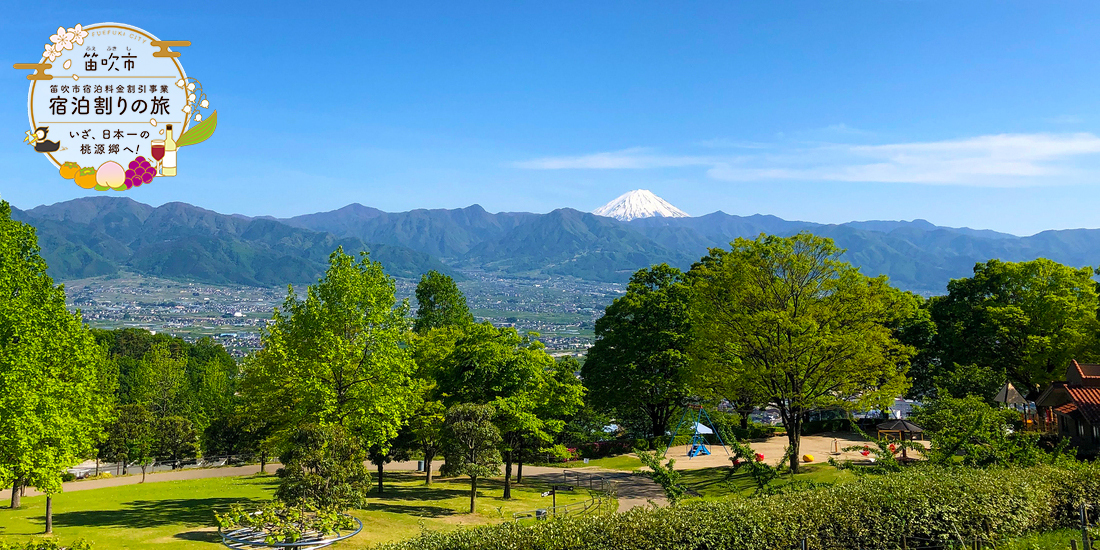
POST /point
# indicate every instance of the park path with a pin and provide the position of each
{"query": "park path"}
(633, 490)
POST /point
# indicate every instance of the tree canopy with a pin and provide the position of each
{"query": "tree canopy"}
(800, 326)
(1027, 320)
(52, 404)
(337, 356)
(439, 303)
(639, 362)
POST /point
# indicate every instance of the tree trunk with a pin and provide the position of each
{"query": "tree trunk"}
(379, 478)
(428, 468)
(15, 496)
(473, 493)
(794, 438)
(745, 418)
(97, 466)
(143, 473)
(519, 468)
(508, 476)
(263, 463)
(49, 514)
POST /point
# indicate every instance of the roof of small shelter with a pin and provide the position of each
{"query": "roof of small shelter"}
(900, 426)
(1009, 396)
(1087, 370)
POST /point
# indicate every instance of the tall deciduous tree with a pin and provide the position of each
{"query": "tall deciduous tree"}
(440, 303)
(160, 382)
(176, 439)
(639, 362)
(51, 402)
(338, 356)
(472, 444)
(1027, 319)
(800, 326)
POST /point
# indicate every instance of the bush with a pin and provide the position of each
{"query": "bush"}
(641, 444)
(46, 544)
(870, 512)
(68, 476)
(822, 426)
(603, 449)
(100, 475)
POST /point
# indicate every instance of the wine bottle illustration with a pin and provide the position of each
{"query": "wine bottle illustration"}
(169, 162)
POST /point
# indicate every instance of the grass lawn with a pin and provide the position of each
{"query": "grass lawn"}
(622, 462)
(711, 483)
(173, 515)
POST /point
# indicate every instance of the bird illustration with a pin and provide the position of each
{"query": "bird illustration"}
(43, 146)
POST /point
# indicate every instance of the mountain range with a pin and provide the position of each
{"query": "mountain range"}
(102, 235)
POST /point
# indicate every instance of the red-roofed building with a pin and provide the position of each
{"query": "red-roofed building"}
(1074, 405)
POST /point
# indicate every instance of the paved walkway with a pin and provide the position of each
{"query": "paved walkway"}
(633, 490)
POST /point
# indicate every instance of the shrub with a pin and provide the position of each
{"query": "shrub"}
(870, 512)
(641, 444)
(603, 449)
(46, 544)
(100, 475)
(323, 468)
(68, 476)
(822, 426)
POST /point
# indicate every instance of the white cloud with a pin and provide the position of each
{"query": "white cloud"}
(1003, 160)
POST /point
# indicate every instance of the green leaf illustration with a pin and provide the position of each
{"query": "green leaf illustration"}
(200, 132)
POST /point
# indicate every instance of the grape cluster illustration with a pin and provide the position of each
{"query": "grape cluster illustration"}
(139, 172)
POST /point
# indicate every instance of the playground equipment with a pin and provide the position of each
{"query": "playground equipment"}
(698, 445)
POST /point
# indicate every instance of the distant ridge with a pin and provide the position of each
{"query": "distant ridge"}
(639, 203)
(102, 235)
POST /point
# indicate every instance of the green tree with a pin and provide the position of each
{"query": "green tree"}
(323, 468)
(133, 435)
(176, 439)
(380, 456)
(639, 362)
(1028, 319)
(800, 326)
(440, 303)
(50, 371)
(160, 382)
(424, 433)
(497, 366)
(472, 444)
(338, 356)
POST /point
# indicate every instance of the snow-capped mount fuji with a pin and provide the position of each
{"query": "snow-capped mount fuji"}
(639, 203)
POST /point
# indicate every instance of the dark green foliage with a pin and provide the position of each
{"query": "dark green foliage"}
(176, 438)
(1024, 320)
(439, 303)
(871, 512)
(323, 469)
(639, 362)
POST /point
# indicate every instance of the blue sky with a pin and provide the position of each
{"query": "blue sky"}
(981, 114)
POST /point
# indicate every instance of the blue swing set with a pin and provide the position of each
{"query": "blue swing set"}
(698, 445)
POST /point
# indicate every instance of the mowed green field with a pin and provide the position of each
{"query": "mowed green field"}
(178, 515)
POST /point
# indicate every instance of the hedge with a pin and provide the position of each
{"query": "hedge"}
(871, 512)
